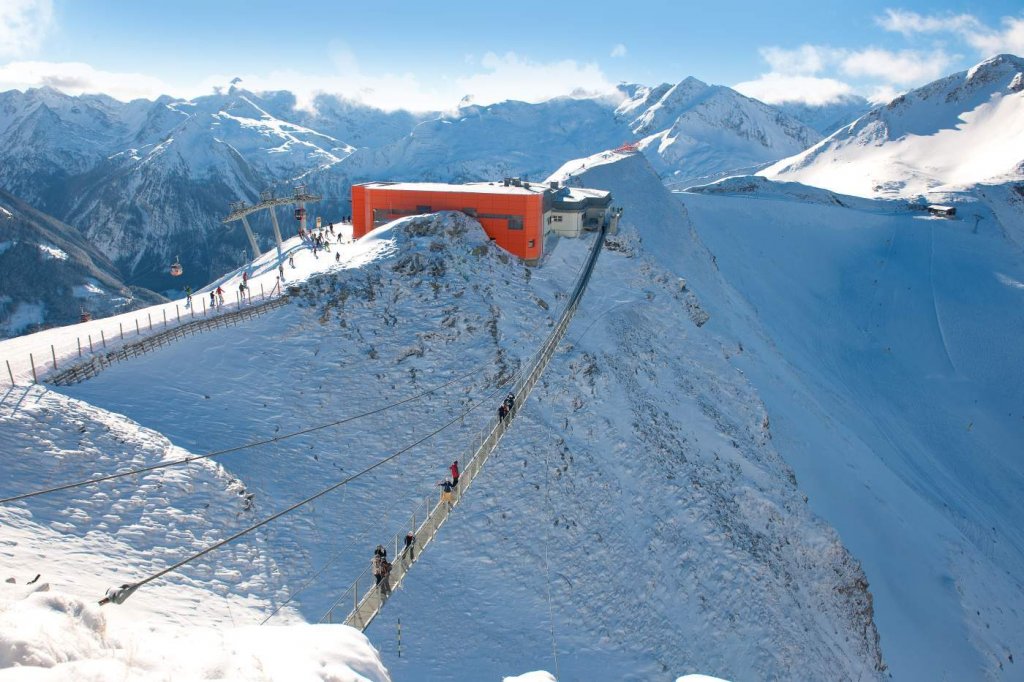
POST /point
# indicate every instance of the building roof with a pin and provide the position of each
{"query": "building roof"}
(525, 188)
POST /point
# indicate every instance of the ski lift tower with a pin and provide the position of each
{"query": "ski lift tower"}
(240, 211)
(239, 207)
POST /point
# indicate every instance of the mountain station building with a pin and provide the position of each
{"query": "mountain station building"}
(519, 216)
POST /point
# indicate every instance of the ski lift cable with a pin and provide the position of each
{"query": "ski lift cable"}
(120, 594)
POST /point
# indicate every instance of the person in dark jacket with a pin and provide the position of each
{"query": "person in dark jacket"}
(385, 578)
(377, 566)
(446, 492)
(410, 545)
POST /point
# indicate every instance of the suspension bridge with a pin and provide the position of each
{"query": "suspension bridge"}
(365, 597)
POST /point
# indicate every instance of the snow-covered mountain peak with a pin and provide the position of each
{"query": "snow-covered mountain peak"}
(958, 131)
(674, 101)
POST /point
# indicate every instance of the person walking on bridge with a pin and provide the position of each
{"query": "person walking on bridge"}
(446, 492)
(454, 468)
(410, 545)
(385, 579)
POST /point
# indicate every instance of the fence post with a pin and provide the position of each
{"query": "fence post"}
(176, 310)
(165, 318)
(204, 307)
(150, 315)
(79, 339)
(104, 337)
(121, 329)
(90, 343)
(262, 293)
(53, 354)
(138, 332)
(32, 361)
(9, 372)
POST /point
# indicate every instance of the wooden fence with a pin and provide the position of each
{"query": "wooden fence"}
(97, 363)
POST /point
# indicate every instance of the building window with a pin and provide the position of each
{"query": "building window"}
(531, 243)
(515, 222)
(471, 212)
(556, 218)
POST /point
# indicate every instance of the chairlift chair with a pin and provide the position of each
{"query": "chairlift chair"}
(176, 269)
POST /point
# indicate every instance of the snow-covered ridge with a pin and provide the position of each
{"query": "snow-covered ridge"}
(959, 131)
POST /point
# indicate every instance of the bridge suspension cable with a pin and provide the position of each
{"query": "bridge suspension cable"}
(120, 594)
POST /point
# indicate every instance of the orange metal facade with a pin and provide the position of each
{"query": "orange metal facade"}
(501, 214)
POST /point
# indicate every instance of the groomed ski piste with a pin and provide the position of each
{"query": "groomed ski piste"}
(643, 517)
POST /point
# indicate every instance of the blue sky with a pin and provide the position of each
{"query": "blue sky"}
(428, 55)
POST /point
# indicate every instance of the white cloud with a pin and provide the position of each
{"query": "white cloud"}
(23, 25)
(882, 94)
(777, 88)
(619, 50)
(76, 78)
(512, 77)
(491, 79)
(805, 60)
(908, 23)
(986, 40)
(990, 42)
(906, 67)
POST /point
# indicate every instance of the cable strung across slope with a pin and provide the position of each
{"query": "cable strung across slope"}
(252, 444)
(120, 594)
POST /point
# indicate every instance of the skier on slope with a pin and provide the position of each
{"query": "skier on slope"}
(188, 296)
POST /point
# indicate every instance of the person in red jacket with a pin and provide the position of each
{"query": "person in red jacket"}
(454, 468)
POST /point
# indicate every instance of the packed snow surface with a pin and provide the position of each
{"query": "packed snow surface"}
(886, 346)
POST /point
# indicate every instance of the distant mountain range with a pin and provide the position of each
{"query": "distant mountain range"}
(147, 180)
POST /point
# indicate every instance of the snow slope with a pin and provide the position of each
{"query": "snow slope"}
(885, 345)
(184, 627)
(962, 130)
(637, 520)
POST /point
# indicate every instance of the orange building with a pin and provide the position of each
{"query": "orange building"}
(516, 215)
